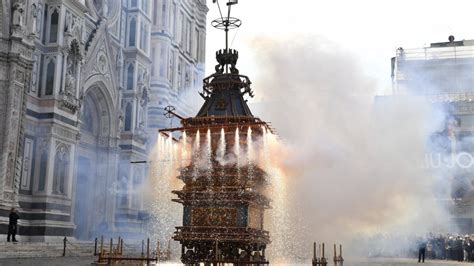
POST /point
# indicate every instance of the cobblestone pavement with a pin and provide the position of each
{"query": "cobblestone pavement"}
(82, 261)
(68, 261)
(401, 262)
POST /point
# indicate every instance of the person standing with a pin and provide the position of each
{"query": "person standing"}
(466, 245)
(421, 250)
(12, 225)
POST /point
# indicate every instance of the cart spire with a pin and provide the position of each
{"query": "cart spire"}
(226, 23)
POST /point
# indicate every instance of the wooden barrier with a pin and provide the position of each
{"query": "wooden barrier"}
(318, 255)
(115, 256)
(338, 260)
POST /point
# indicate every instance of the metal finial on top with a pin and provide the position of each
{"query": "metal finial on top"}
(226, 23)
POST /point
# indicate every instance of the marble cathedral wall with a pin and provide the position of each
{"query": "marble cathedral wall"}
(77, 78)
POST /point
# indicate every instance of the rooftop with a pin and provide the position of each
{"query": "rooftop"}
(438, 51)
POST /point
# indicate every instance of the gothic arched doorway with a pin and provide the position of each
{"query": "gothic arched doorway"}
(95, 157)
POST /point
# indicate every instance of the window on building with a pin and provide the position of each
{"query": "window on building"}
(88, 124)
(173, 26)
(164, 15)
(53, 29)
(132, 32)
(144, 37)
(61, 170)
(190, 38)
(196, 41)
(180, 29)
(123, 200)
(145, 6)
(143, 32)
(45, 24)
(128, 117)
(153, 62)
(163, 60)
(40, 83)
(133, 3)
(130, 72)
(137, 181)
(42, 171)
(50, 69)
(155, 12)
(202, 45)
(171, 67)
(123, 23)
(122, 179)
(187, 81)
(186, 36)
(179, 77)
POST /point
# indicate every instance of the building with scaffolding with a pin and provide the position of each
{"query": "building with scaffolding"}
(443, 73)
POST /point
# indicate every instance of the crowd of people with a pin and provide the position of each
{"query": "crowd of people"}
(454, 247)
(450, 247)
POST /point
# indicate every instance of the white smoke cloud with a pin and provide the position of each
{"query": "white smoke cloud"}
(351, 166)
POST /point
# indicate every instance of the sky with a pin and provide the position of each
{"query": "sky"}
(368, 30)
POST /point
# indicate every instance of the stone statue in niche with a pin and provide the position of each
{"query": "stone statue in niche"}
(141, 127)
(34, 73)
(179, 77)
(119, 63)
(72, 25)
(34, 17)
(143, 77)
(61, 169)
(142, 108)
(9, 174)
(140, 77)
(171, 69)
(18, 9)
(146, 78)
(68, 23)
(187, 81)
(120, 122)
(73, 58)
(102, 63)
(80, 101)
(144, 97)
(39, 11)
(70, 75)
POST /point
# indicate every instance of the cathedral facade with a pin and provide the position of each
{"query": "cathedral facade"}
(83, 85)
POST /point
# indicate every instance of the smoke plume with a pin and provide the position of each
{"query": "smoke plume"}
(352, 164)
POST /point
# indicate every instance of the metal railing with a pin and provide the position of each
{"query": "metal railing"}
(434, 53)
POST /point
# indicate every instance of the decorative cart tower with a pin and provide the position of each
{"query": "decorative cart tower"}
(223, 195)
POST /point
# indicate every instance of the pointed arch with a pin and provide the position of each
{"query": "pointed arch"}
(106, 102)
(102, 109)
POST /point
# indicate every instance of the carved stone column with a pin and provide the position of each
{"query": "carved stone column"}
(65, 54)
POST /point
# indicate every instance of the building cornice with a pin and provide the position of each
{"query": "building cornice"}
(76, 4)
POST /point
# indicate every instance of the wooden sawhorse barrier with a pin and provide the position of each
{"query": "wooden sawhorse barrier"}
(319, 258)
